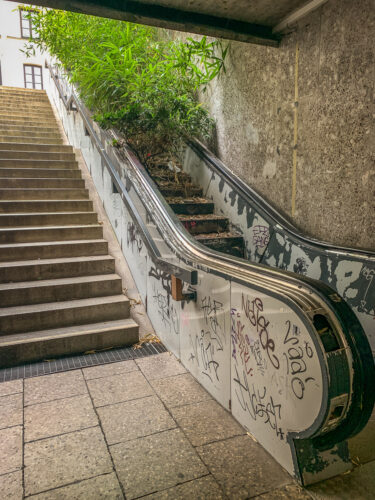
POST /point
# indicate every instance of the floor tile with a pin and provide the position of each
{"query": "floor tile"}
(109, 369)
(11, 486)
(288, 492)
(11, 449)
(357, 485)
(160, 366)
(56, 386)
(204, 488)
(156, 462)
(206, 422)
(99, 488)
(61, 460)
(133, 419)
(118, 388)
(242, 467)
(11, 387)
(11, 410)
(179, 390)
(58, 417)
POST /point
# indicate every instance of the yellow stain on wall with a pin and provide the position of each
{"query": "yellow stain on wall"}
(295, 138)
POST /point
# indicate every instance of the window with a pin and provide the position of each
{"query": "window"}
(33, 76)
(27, 30)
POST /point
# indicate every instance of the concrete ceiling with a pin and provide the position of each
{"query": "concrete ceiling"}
(254, 21)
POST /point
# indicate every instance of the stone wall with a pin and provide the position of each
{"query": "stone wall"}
(254, 105)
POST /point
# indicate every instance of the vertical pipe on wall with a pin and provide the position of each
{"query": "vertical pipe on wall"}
(295, 135)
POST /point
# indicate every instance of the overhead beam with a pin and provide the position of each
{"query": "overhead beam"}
(169, 18)
(295, 16)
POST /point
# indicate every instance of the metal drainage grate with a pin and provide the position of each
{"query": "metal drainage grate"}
(81, 361)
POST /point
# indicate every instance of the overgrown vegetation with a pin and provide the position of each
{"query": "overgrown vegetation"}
(134, 77)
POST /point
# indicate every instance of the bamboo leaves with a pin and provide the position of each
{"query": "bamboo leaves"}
(134, 77)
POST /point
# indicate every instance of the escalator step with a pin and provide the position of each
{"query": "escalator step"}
(191, 206)
(230, 243)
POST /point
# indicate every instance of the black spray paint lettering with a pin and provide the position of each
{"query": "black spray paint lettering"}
(211, 308)
(204, 348)
(300, 266)
(261, 236)
(240, 341)
(257, 404)
(164, 278)
(296, 361)
(253, 310)
(133, 238)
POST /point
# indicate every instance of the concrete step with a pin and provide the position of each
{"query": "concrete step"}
(50, 233)
(28, 318)
(6, 89)
(210, 223)
(8, 139)
(29, 183)
(25, 100)
(230, 243)
(45, 148)
(28, 127)
(21, 100)
(47, 344)
(52, 250)
(45, 269)
(35, 155)
(191, 206)
(43, 173)
(7, 107)
(18, 206)
(24, 112)
(43, 194)
(169, 189)
(45, 291)
(28, 219)
(37, 119)
(31, 121)
(15, 95)
(25, 163)
(29, 131)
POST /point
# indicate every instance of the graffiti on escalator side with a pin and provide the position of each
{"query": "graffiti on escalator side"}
(275, 367)
(261, 236)
(133, 238)
(206, 344)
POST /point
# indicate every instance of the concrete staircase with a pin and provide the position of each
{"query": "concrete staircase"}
(59, 293)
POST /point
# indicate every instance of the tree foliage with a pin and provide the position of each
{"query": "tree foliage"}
(133, 77)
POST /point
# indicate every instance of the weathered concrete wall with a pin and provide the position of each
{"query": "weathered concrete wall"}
(254, 105)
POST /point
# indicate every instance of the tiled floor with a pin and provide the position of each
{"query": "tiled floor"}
(139, 429)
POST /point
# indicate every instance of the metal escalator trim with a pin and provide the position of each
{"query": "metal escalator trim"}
(267, 210)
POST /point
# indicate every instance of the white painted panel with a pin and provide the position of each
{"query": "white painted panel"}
(277, 385)
(205, 336)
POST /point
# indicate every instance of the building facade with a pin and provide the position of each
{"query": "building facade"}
(16, 69)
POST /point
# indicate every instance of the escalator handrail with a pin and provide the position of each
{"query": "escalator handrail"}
(266, 209)
(73, 103)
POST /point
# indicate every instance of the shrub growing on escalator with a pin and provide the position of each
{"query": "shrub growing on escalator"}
(135, 78)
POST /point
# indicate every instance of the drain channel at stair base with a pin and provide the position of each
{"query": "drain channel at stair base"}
(77, 362)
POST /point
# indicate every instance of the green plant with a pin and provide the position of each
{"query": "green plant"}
(134, 79)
